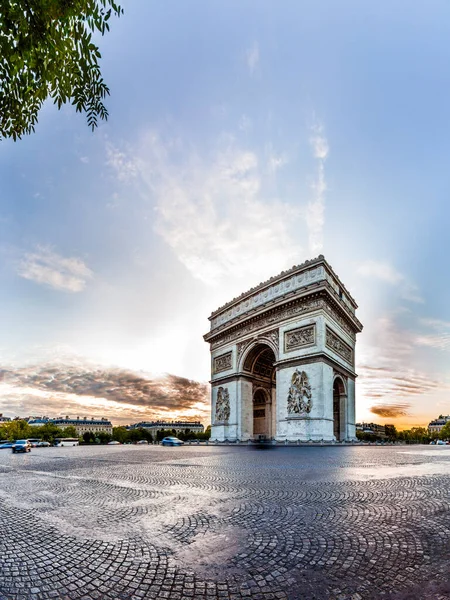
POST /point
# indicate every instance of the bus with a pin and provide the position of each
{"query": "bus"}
(67, 442)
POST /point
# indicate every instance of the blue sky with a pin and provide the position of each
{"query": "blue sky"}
(243, 138)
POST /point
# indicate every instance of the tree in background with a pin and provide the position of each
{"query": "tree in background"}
(134, 435)
(49, 432)
(444, 434)
(46, 50)
(17, 430)
(70, 432)
(89, 437)
(391, 432)
(103, 437)
(120, 434)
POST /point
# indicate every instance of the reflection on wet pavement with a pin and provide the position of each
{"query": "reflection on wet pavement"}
(223, 522)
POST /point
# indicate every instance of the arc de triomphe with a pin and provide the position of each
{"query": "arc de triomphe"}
(283, 359)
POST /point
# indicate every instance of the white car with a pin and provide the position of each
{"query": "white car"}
(113, 443)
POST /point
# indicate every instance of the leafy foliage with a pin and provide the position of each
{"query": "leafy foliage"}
(444, 434)
(46, 50)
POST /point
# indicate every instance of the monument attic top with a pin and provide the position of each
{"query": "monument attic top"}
(300, 276)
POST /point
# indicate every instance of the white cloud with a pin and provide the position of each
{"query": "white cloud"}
(125, 167)
(315, 216)
(438, 337)
(213, 213)
(387, 273)
(49, 268)
(275, 161)
(245, 124)
(252, 56)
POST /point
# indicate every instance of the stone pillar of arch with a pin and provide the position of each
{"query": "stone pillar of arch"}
(293, 338)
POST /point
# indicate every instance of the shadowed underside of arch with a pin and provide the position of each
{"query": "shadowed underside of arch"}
(259, 362)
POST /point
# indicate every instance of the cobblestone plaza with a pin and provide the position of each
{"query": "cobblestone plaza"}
(225, 523)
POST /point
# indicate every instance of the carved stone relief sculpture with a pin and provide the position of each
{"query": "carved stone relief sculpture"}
(223, 363)
(222, 404)
(299, 397)
(297, 338)
(335, 343)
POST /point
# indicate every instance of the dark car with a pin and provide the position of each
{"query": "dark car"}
(6, 445)
(21, 446)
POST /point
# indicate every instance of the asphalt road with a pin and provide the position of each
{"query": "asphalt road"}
(229, 523)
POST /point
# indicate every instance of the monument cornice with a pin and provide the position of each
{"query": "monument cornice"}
(279, 311)
(294, 281)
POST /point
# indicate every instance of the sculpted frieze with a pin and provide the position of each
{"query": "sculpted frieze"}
(300, 337)
(335, 343)
(222, 363)
(222, 405)
(280, 315)
(271, 292)
(300, 396)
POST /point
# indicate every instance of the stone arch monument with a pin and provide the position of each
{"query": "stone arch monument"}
(283, 359)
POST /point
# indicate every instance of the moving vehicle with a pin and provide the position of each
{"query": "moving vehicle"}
(6, 445)
(43, 444)
(113, 443)
(67, 442)
(34, 442)
(21, 446)
(171, 441)
(142, 442)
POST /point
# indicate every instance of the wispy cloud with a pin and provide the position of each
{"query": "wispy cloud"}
(213, 213)
(315, 216)
(252, 57)
(385, 272)
(125, 167)
(437, 336)
(44, 266)
(391, 411)
(275, 160)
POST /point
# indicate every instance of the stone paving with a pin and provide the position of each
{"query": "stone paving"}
(136, 522)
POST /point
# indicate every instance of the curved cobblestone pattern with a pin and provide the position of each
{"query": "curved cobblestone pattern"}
(225, 523)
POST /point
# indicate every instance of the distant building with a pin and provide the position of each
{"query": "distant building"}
(437, 425)
(37, 421)
(373, 428)
(179, 426)
(4, 419)
(84, 425)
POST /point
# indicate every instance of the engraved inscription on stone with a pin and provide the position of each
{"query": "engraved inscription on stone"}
(223, 362)
(335, 343)
(300, 396)
(222, 405)
(297, 338)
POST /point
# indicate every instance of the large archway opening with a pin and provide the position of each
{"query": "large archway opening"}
(339, 396)
(259, 364)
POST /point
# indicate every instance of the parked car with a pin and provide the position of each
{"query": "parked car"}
(142, 442)
(113, 443)
(171, 441)
(21, 446)
(440, 443)
(43, 444)
(6, 445)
